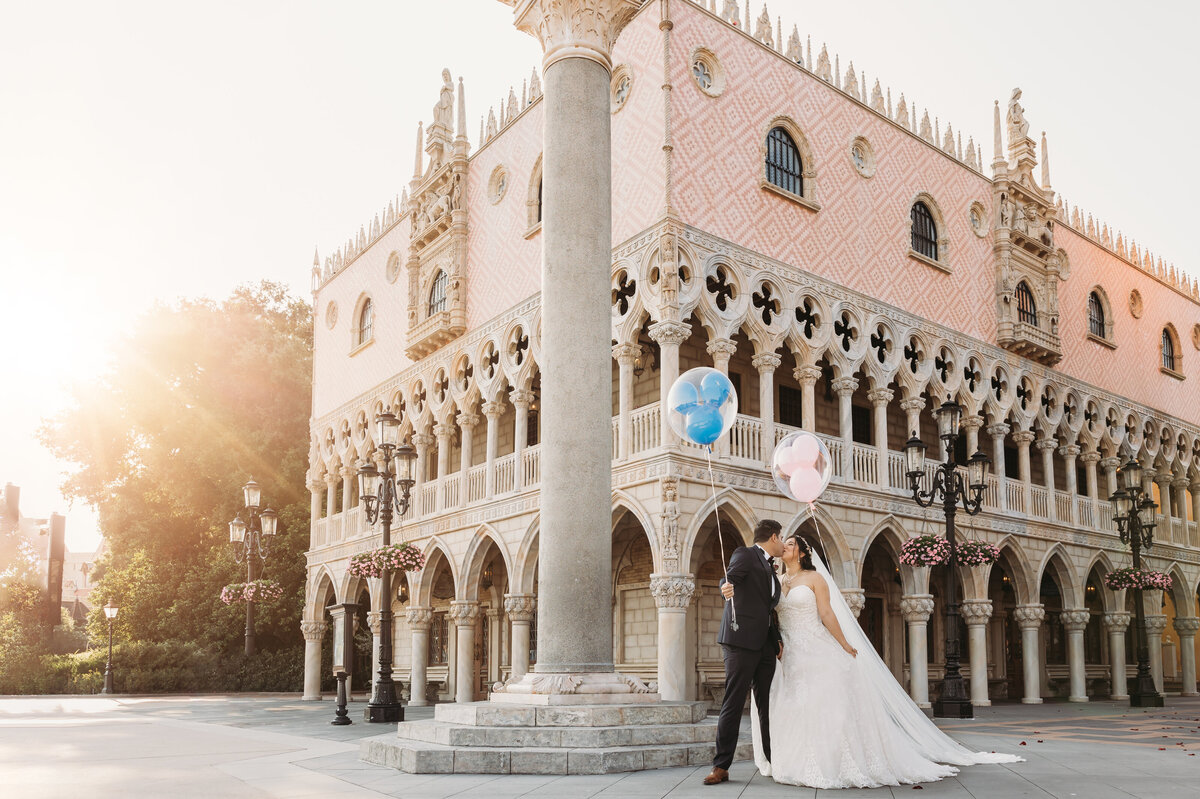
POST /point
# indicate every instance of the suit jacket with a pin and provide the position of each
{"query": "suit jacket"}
(756, 595)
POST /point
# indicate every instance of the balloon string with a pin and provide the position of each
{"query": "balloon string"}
(720, 539)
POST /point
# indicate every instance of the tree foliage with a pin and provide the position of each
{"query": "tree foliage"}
(200, 397)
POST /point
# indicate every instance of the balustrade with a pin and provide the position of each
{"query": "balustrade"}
(505, 473)
(1041, 501)
(865, 463)
(1062, 506)
(476, 483)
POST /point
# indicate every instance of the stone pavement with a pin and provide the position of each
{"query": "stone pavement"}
(278, 746)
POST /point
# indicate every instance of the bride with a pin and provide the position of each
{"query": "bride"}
(838, 718)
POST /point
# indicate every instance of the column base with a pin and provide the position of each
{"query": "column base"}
(422, 702)
(587, 688)
(981, 702)
(1190, 693)
(1119, 697)
(1145, 700)
(316, 698)
(1028, 701)
(953, 709)
(1077, 699)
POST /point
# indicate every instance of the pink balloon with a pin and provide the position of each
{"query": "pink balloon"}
(807, 449)
(787, 460)
(806, 485)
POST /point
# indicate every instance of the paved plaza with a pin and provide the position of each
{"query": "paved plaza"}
(278, 746)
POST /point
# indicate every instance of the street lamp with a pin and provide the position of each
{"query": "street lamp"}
(251, 541)
(949, 487)
(1134, 513)
(110, 613)
(386, 494)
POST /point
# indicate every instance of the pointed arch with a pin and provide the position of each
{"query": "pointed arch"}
(1059, 561)
(524, 574)
(315, 600)
(435, 551)
(472, 565)
(891, 533)
(833, 541)
(622, 501)
(1102, 564)
(734, 505)
(1015, 561)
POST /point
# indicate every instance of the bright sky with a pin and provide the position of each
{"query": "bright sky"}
(154, 150)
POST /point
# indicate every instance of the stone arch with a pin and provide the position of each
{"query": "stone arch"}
(1180, 593)
(891, 534)
(623, 501)
(435, 552)
(1058, 561)
(833, 542)
(472, 565)
(808, 170)
(357, 338)
(352, 586)
(1016, 560)
(533, 196)
(734, 506)
(1102, 564)
(942, 229)
(322, 588)
(524, 573)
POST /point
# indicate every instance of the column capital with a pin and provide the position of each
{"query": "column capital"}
(998, 430)
(521, 398)
(1029, 616)
(1091, 456)
(975, 612)
(1076, 620)
(464, 612)
(672, 590)
(313, 630)
(1162, 478)
(1181, 482)
(374, 617)
(1195, 487)
(419, 618)
(574, 28)
(844, 386)
(807, 375)
(881, 396)
(1117, 622)
(916, 607)
(467, 420)
(423, 441)
(1156, 624)
(444, 431)
(912, 404)
(1069, 450)
(1186, 625)
(348, 472)
(766, 362)
(315, 485)
(856, 598)
(1111, 462)
(974, 421)
(493, 409)
(667, 332)
(1047, 444)
(721, 346)
(1024, 438)
(626, 354)
(520, 607)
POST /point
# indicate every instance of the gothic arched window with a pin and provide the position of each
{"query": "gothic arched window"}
(1026, 308)
(437, 294)
(1168, 350)
(366, 322)
(784, 168)
(1096, 324)
(924, 231)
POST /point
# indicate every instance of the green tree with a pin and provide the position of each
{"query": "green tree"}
(197, 399)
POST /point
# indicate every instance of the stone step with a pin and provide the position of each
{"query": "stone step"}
(421, 757)
(489, 714)
(449, 734)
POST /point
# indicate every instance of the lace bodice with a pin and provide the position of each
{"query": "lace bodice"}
(801, 624)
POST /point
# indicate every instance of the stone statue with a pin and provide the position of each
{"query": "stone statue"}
(443, 112)
(729, 12)
(1005, 211)
(456, 193)
(439, 206)
(670, 519)
(1018, 127)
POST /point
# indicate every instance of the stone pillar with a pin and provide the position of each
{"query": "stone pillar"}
(1110, 466)
(491, 411)
(1090, 459)
(1155, 624)
(1075, 622)
(314, 634)
(916, 609)
(673, 594)
(521, 400)
(856, 598)
(766, 363)
(466, 423)
(445, 435)
(976, 612)
(912, 408)
(998, 432)
(422, 442)
(1195, 489)
(1179, 494)
(880, 398)
(721, 350)
(1030, 618)
(971, 425)
(520, 609)
(331, 481)
(348, 476)
(464, 615)
(1166, 530)
(1023, 439)
(1186, 627)
(845, 388)
(669, 336)
(1047, 447)
(625, 354)
(1069, 453)
(807, 377)
(1116, 624)
(373, 623)
(418, 622)
(492, 621)
(315, 487)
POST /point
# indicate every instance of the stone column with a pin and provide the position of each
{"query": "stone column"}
(1047, 447)
(418, 622)
(998, 432)
(315, 534)
(1163, 479)
(464, 615)
(856, 598)
(491, 411)
(880, 398)
(1023, 439)
(348, 475)
(721, 350)
(1069, 453)
(1195, 489)
(373, 623)
(1186, 627)
(422, 443)
(1155, 624)
(976, 612)
(916, 609)
(466, 423)
(971, 425)
(673, 594)
(521, 400)
(912, 408)
(331, 481)
(314, 634)
(625, 354)
(1110, 466)
(1116, 624)
(807, 377)
(1090, 459)
(493, 638)
(1030, 618)
(520, 609)
(669, 336)
(445, 435)
(1075, 622)
(845, 388)
(766, 363)
(1180, 486)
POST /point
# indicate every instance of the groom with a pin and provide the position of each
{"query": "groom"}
(751, 642)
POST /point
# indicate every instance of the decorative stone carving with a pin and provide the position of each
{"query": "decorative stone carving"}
(670, 521)
(672, 590)
(1018, 127)
(975, 612)
(1075, 620)
(374, 619)
(520, 608)
(1029, 616)
(443, 112)
(856, 598)
(1136, 306)
(766, 362)
(1186, 626)
(314, 630)
(575, 28)
(331, 314)
(1117, 622)
(862, 155)
(419, 618)
(916, 608)
(556, 683)
(1156, 624)
(464, 613)
(844, 385)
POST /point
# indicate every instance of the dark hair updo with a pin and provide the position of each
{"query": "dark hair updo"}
(806, 563)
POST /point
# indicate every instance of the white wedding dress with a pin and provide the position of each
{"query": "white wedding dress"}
(844, 722)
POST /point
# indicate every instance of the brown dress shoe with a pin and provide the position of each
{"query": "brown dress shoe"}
(717, 776)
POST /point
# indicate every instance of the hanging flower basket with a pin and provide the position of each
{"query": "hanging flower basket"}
(257, 591)
(1137, 578)
(397, 557)
(977, 553)
(925, 550)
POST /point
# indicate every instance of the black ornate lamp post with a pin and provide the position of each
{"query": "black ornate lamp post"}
(110, 613)
(949, 487)
(386, 496)
(252, 541)
(1134, 513)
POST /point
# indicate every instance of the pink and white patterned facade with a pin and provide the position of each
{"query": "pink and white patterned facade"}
(818, 306)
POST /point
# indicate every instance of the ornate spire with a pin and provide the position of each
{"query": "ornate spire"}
(999, 153)
(419, 168)
(462, 111)
(1045, 163)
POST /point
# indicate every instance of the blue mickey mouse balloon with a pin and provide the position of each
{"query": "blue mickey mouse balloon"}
(701, 405)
